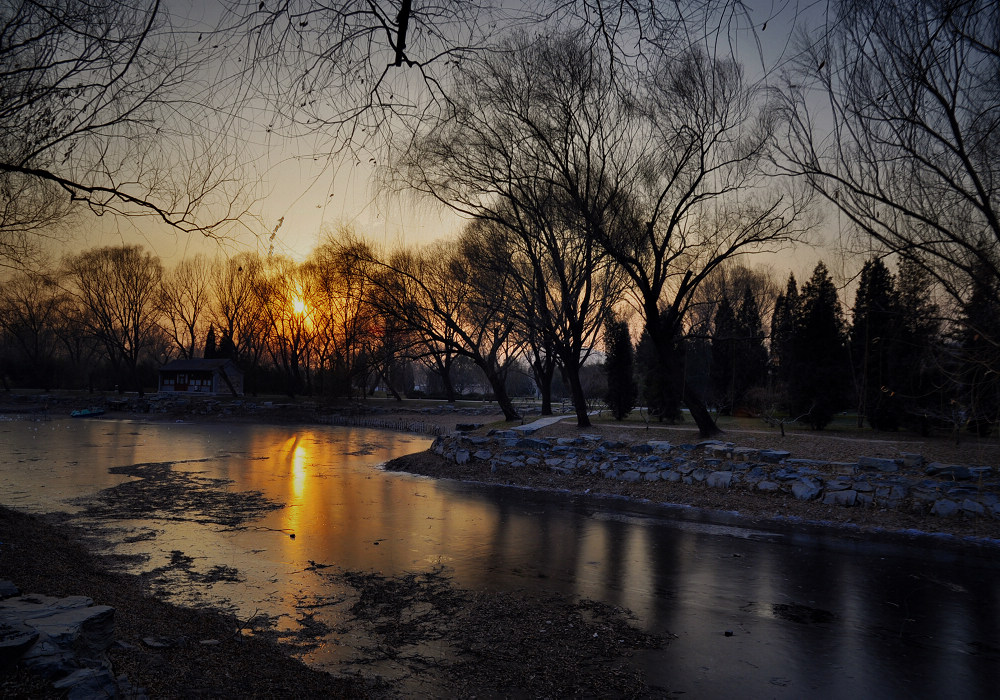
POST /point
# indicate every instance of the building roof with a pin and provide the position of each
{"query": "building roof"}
(198, 364)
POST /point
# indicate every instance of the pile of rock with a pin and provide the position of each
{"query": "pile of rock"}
(62, 639)
(903, 482)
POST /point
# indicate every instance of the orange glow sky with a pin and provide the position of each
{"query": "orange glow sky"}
(313, 196)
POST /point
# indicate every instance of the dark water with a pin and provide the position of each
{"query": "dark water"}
(810, 615)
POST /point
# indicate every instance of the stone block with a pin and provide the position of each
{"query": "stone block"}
(502, 433)
(745, 454)
(944, 507)
(882, 464)
(768, 486)
(461, 456)
(971, 507)
(630, 475)
(891, 495)
(840, 498)
(482, 455)
(956, 472)
(774, 456)
(720, 480)
(806, 489)
(837, 484)
(670, 475)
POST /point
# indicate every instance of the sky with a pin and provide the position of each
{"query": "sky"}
(311, 195)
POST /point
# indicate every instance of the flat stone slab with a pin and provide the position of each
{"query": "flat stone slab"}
(883, 464)
(61, 638)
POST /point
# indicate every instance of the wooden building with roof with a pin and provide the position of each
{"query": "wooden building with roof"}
(200, 376)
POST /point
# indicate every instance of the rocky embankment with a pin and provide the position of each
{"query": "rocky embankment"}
(905, 483)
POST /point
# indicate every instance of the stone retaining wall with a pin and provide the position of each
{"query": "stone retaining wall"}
(905, 482)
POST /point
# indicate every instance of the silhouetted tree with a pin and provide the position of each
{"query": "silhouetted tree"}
(784, 329)
(919, 380)
(117, 287)
(211, 349)
(619, 368)
(892, 114)
(874, 347)
(979, 375)
(752, 353)
(726, 335)
(100, 110)
(820, 376)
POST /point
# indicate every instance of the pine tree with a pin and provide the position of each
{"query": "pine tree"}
(752, 360)
(784, 328)
(979, 379)
(874, 347)
(820, 375)
(919, 379)
(725, 341)
(211, 351)
(618, 365)
(227, 348)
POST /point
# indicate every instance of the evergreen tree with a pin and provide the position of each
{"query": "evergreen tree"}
(725, 342)
(618, 365)
(784, 328)
(979, 379)
(919, 380)
(662, 377)
(227, 348)
(211, 351)
(752, 361)
(820, 374)
(875, 320)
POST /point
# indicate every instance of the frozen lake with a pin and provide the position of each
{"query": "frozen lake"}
(811, 614)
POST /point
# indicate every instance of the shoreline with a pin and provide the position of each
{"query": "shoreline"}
(69, 568)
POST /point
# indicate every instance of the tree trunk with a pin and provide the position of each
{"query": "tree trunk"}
(572, 374)
(706, 424)
(449, 387)
(665, 334)
(544, 371)
(499, 387)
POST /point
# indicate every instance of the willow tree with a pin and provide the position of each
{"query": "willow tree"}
(434, 295)
(892, 111)
(118, 288)
(103, 107)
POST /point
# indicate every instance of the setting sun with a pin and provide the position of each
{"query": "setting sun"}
(299, 306)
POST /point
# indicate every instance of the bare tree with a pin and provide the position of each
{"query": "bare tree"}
(117, 287)
(434, 293)
(892, 116)
(657, 167)
(29, 317)
(102, 107)
(235, 308)
(184, 302)
(285, 295)
(562, 286)
(343, 312)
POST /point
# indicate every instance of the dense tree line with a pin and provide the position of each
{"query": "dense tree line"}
(427, 321)
(610, 158)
